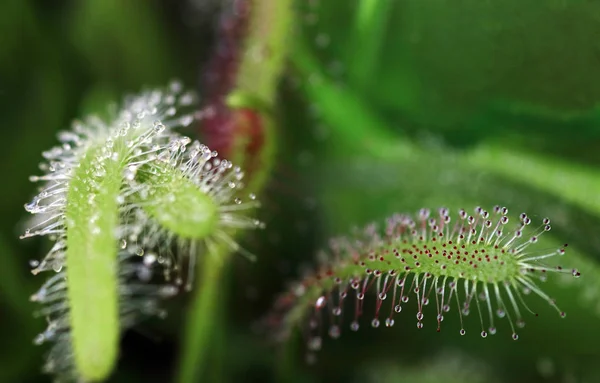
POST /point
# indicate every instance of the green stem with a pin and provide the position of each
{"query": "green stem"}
(356, 124)
(202, 315)
(367, 39)
(255, 88)
(219, 363)
(268, 35)
(257, 80)
(542, 172)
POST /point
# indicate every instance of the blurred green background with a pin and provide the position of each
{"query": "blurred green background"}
(385, 106)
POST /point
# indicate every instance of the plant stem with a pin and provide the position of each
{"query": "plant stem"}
(202, 315)
(256, 80)
(368, 35)
(356, 124)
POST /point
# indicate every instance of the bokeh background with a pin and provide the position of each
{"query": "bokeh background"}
(384, 106)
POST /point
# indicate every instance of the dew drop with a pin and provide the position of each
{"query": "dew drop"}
(462, 331)
(186, 99)
(149, 259)
(375, 323)
(320, 303)
(31, 206)
(144, 274)
(389, 322)
(314, 344)
(354, 326)
(39, 339)
(186, 120)
(176, 86)
(398, 308)
(334, 331)
(546, 367)
(159, 128)
(39, 296)
(130, 173)
(168, 291)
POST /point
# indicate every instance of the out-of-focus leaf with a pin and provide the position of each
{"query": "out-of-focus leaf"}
(571, 182)
(449, 366)
(123, 42)
(371, 189)
(355, 125)
(371, 22)
(43, 112)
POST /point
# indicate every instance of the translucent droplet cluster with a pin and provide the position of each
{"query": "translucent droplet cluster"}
(476, 260)
(140, 138)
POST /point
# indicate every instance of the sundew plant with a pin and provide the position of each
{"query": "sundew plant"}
(300, 191)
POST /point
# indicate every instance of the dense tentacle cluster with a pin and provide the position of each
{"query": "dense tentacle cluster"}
(478, 260)
(163, 227)
(137, 300)
(144, 125)
(79, 174)
(116, 194)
